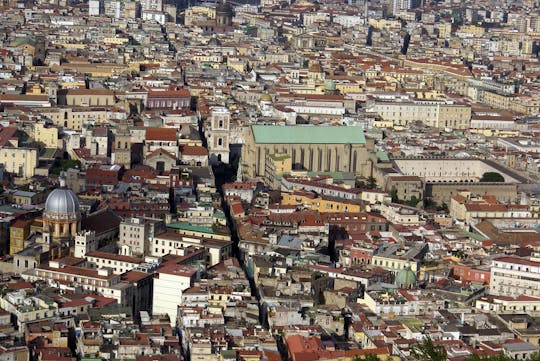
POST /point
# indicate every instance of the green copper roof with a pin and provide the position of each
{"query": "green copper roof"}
(186, 226)
(382, 156)
(308, 134)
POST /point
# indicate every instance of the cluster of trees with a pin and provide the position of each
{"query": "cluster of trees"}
(426, 350)
(492, 177)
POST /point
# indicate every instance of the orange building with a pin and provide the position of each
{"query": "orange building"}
(471, 274)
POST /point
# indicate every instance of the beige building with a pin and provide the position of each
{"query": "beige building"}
(312, 148)
(434, 113)
(86, 97)
(135, 232)
(198, 15)
(122, 147)
(47, 135)
(19, 161)
(74, 118)
(405, 187)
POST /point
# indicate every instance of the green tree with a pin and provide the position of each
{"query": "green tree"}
(63, 165)
(413, 202)
(427, 351)
(371, 182)
(492, 177)
(393, 194)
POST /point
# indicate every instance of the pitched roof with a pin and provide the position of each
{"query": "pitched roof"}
(161, 151)
(194, 150)
(167, 134)
(308, 134)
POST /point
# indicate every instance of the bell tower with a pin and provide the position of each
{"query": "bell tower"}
(218, 135)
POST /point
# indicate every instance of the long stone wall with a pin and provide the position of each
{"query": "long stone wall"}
(443, 192)
(452, 170)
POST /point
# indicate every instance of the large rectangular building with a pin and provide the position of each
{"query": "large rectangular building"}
(311, 148)
(515, 276)
(434, 113)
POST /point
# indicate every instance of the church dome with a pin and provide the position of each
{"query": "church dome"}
(266, 97)
(330, 85)
(62, 202)
(405, 278)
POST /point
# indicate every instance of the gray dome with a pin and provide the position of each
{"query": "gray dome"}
(62, 201)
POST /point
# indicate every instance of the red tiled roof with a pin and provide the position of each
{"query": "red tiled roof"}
(6, 134)
(168, 93)
(160, 151)
(194, 150)
(166, 134)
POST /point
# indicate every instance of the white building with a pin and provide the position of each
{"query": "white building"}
(85, 242)
(94, 7)
(515, 276)
(176, 244)
(157, 16)
(171, 281)
(113, 8)
(118, 263)
(151, 5)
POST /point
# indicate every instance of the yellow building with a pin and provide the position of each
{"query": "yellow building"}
(47, 135)
(219, 297)
(385, 24)
(348, 87)
(282, 163)
(24, 197)
(375, 197)
(18, 232)
(320, 203)
(236, 64)
(445, 30)
(395, 264)
(115, 40)
(498, 100)
(74, 118)
(95, 70)
(20, 161)
(472, 30)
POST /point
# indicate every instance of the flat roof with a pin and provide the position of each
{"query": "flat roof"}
(308, 134)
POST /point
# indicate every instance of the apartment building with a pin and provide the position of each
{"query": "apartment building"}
(174, 243)
(118, 263)
(404, 110)
(514, 276)
(135, 233)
